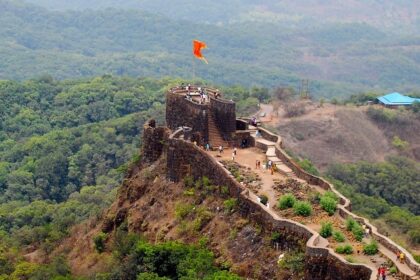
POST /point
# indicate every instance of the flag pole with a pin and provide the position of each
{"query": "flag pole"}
(193, 68)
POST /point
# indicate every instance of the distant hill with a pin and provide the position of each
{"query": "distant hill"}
(382, 14)
(339, 58)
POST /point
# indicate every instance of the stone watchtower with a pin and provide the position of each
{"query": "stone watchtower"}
(211, 118)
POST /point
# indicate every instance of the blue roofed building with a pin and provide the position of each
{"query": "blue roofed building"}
(396, 99)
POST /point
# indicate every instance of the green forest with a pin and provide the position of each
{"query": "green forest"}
(339, 58)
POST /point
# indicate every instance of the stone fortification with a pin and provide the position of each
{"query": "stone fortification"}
(191, 112)
(184, 158)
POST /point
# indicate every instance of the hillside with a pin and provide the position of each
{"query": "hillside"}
(345, 134)
(340, 58)
(159, 211)
(388, 14)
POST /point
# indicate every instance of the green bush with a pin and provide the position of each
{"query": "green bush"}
(344, 249)
(230, 204)
(338, 236)
(414, 236)
(182, 210)
(308, 166)
(350, 223)
(293, 261)
(205, 181)
(263, 199)
(302, 208)
(99, 242)
(400, 144)
(326, 230)
(417, 258)
(371, 248)
(328, 204)
(393, 270)
(286, 201)
(358, 232)
(188, 181)
(275, 236)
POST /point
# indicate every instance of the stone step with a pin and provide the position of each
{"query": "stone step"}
(271, 152)
(265, 142)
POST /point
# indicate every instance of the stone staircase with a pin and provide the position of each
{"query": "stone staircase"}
(215, 137)
(271, 155)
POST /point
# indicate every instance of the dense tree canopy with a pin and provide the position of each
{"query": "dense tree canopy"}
(339, 58)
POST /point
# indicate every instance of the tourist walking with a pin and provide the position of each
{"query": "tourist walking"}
(220, 149)
(382, 272)
(235, 151)
(402, 257)
(233, 156)
(207, 147)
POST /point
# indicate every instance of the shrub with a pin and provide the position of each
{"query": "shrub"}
(400, 144)
(293, 261)
(345, 249)
(358, 232)
(188, 181)
(308, 166)
(205, 181)
(371, 248)
(286, 201)
(182, 210)
(302, 208)
(393, 270)
(331, 194)
(416, 258)
(263, 199)
(350, 223)
(414, 236)
(99, 242)
(230, 204)
(328, 204)
(275, 236)
(326, 230)
(338, 236)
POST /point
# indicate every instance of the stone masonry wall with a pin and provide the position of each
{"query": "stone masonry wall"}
(182, 112)
(224, 115)
(153, 141)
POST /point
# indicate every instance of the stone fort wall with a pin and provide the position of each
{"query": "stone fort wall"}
(182, 112)
(224, 115)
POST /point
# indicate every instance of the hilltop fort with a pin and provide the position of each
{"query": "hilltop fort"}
(198, 122)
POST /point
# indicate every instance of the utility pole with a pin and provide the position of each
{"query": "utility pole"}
(304, 89)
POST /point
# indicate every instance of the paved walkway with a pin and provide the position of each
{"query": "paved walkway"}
(248, 157)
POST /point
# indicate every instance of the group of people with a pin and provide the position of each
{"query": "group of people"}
(400, 256)
(382, 270)
(202, 91)
(269, 165)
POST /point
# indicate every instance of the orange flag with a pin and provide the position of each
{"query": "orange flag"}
(197, 47)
